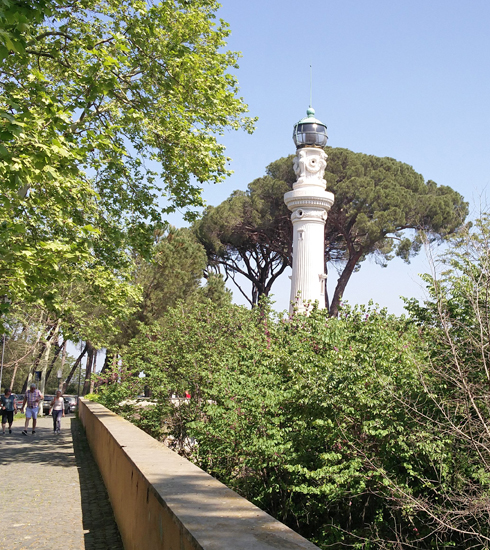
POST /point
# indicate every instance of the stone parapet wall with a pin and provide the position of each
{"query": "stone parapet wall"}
(163, 501)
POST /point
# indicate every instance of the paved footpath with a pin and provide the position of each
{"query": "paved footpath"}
(51, 492)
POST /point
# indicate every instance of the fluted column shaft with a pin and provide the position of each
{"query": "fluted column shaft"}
(309, 203)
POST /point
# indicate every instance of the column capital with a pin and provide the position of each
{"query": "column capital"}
(309, 199)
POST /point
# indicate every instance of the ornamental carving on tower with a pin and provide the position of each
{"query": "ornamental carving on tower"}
(310, 164)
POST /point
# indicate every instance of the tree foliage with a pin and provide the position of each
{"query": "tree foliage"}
(306, 417)
(173, 274)
(381, 207)
(105, 106)
(455, 327)
(16, 19)
(249, 235)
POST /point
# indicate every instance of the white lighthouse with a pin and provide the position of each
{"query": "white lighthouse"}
(309, 202)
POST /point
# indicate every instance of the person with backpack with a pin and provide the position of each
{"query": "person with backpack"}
(8, 406)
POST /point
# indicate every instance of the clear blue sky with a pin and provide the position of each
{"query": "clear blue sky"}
(408, 80)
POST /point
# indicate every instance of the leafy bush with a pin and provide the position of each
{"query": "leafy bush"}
(302, 416)
(367, 431)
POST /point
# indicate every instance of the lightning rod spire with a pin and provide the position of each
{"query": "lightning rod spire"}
(311, 86)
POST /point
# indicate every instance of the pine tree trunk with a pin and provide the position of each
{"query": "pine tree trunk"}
(12, 381)
(108, 356)
(342, 283)
(88, 369)
(58, 348)
(63, 359)
(92, 381)
(73, 369)
(45, 362)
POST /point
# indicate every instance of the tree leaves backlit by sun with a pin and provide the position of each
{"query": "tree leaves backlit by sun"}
(105, 106)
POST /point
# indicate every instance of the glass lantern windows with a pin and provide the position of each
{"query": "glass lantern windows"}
(310, 134)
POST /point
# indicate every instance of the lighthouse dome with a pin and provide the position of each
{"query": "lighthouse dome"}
(309, 131)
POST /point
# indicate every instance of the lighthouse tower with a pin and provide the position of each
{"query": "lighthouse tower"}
(309, 203)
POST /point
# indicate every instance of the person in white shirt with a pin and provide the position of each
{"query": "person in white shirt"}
(58, 408)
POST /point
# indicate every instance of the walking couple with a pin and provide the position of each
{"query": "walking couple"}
(32, 399)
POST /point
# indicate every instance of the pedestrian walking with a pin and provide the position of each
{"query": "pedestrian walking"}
(8, 407)
(32, 399)
(58, 408)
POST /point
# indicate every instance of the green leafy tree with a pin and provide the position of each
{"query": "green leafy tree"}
(455, 327)
(104, 107)
(16, 19)
(306, 417)
(248, 235)
(173, 274)
(381, 206)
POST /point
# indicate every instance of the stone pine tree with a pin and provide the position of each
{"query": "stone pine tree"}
(381, 207)
(248, 235)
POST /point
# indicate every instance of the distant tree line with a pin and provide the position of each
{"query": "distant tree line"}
(36, 342)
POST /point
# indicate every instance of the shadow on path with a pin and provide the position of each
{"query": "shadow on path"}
(100, 528)
(44, 448)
